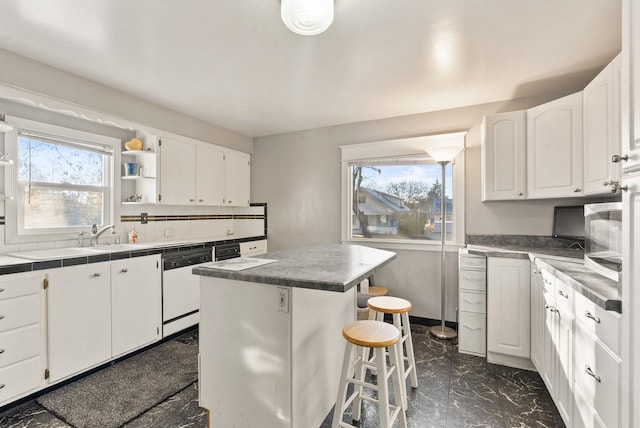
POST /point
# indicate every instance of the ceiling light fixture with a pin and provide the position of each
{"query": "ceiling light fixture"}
(307, 17)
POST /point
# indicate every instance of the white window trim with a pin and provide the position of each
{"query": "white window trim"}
(13, 234)
(410, 148)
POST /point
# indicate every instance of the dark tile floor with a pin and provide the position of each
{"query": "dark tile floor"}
(455, 390)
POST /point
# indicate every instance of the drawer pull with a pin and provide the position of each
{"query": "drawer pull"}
(563, 294)
(468, 327)
(590, 372)
(1, 290)
(97, 274)
(124, 270)
(536, 272)
(1, 317)
(551, 308)
(2, 385)
(1, 351)
(591, 316)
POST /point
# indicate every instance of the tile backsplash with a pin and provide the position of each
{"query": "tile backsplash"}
(169, 223)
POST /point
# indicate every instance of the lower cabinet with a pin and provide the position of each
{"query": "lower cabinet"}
(79, 318)
(22, 335)
(136, 303)
(472, 303)
(508, 311)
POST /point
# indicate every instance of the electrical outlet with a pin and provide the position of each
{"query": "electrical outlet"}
(144, 218)
(283, 299)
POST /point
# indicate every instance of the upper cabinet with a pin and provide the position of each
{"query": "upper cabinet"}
(201, 174)
(601, 112)
(554, 148)
(631, 84)
(503, 156)
(139, 170)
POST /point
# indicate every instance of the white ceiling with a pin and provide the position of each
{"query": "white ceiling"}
(234, 63)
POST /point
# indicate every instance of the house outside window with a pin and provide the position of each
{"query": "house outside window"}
(62, 181)
(392, 194)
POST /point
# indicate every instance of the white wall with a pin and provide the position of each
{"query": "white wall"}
(298, 175)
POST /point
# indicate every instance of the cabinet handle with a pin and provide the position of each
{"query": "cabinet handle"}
(536, 272)
(577, 190)
(2, 385)
(624, 188)
(1, 317)
(1, 351)
(1, 290)
(520, 194)
(590, 372)
(97, 274)
(124, 270)
(618, 158)
(200, 200)
(591, 316)
(230, 201)
(551, 308)
(192, 200)
(563, 294)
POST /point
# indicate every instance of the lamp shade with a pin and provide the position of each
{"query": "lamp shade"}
(307, 17)
(444, 153)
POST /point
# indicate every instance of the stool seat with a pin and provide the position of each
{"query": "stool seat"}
(389, 305)
(371, 334)
(376, 290)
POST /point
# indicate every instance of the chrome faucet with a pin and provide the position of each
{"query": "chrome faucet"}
(95, 233)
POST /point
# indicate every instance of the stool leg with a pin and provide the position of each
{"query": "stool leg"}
(409, 347)
(395, 358)
(401, 369)
(339, 408)
(360, 371)
(383, 389)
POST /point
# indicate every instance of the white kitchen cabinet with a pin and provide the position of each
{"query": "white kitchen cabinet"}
(79, 318)
(200, 174)
(508, 311)
(537, 317)
(472, 302)
(554, 148)
(22, 335)
(631, 87)
(136, 303)
(253, 248)
(601, 122)
(237, 179)
(211, 180)
(177, 172)
(503, 152)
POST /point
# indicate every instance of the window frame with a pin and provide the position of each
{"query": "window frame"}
(411, 150)
(14, 227)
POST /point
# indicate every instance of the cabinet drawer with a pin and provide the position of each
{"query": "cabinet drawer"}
(548, 282)
(472, 280)
(597, 375)
(19, 311)
(253, 248)
(473, 302)
(20, 378)
(472, 262)
(472, 334)
(19, 344)
(605, 325)
(20, 284)
(584, 415)
(564, 295)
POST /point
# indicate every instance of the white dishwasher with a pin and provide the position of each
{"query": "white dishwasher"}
(181, 289)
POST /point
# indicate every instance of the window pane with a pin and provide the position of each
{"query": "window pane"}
(49, 208)
(54, 163)
(400, 201)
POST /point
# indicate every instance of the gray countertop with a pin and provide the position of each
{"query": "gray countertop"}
(329, 267)
(566, 264)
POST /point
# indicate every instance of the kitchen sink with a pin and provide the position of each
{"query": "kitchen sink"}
(54, 253)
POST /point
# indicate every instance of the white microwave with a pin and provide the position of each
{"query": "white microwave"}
(603, 239)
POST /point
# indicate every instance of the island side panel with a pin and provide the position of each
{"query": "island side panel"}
(244, 373)
(317, 350)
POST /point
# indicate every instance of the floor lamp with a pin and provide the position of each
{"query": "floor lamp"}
(443, 155)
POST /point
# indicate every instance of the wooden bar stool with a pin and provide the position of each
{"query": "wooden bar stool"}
(399, 309)
(360, 336)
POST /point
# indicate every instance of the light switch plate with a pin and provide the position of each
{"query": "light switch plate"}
(283, 299)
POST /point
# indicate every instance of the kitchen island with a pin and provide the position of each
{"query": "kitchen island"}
(271, 345)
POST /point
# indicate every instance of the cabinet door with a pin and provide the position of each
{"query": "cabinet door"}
(631, 85)
(563, 364)
(549, 334)
(136, 303)
(537, 318)
(508, 306)
(503, 156)
(554, 148)
(177, 172)
(210, 177)
(238, 179)
(79, 318)
(601, 114)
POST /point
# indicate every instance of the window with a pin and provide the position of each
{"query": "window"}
(63, 181)
(392, 193)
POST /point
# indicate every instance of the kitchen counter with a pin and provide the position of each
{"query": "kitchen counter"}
(324, 267)
(274, 332)
(567, 264)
